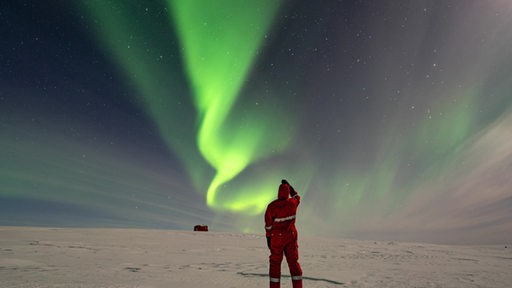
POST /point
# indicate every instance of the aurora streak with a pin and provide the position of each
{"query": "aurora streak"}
(217, 64)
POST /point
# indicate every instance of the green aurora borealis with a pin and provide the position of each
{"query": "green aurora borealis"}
(217, 64)
(392, 120)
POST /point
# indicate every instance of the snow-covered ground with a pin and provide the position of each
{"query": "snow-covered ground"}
(55, 257)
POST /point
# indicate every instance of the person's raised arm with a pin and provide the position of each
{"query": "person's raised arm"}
(293, 193)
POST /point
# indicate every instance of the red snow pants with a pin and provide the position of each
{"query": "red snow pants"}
(284, 242)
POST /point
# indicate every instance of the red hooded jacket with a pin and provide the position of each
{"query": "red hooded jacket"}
(280, 213)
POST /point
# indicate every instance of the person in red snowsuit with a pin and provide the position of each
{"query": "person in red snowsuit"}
(282, 235)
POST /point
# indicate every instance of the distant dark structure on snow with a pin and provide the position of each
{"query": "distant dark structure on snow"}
(201, 227)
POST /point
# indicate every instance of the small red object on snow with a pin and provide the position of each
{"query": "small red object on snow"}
(201, 227)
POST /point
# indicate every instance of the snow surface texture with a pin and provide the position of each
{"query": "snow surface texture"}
(49, 257)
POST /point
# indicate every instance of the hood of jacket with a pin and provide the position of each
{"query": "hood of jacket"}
(283, 192)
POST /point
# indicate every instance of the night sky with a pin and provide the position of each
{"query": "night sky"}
(392, 119)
